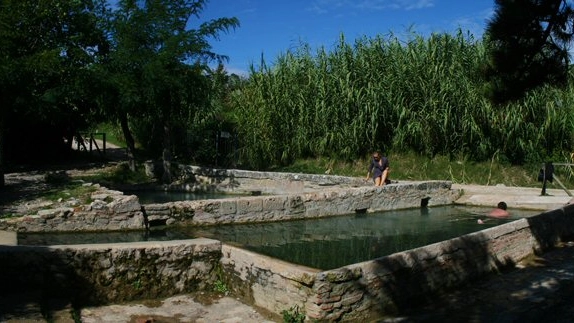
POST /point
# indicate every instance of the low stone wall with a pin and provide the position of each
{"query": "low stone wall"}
(201, 179)
(110, 273)
(326, 202)
(109, 210)
(295, 196)
(266, 282)
(380, 287)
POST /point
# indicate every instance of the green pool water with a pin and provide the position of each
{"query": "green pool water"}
(324, 243)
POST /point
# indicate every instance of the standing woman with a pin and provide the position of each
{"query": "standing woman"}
(380, 168)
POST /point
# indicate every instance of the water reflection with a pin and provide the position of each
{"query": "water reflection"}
(320, 243)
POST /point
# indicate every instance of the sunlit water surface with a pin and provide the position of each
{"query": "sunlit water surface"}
(324, 243)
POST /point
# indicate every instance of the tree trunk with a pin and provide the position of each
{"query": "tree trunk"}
(2, 180)
(166, 155)
(130, 142)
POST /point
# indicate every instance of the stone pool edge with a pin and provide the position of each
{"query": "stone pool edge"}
(112, 273)
(370, 289)
(111, 210)
(383, 286)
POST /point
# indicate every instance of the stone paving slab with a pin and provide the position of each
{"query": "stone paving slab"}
(197, 307)
(515, 197)
(183, 308)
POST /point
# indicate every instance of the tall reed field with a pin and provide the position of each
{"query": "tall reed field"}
(422, 95)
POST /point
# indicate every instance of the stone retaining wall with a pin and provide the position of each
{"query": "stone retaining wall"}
(326, 202)
(109, 210)
(113, 211)
(295, 196)
(110, 273)
(373, 289)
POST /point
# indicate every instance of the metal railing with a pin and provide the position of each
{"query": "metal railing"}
(87, 142)
(546, 175)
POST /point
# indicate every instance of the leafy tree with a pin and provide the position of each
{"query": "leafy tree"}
(528, 44)
(46, 50)
(219, 117)
(157, 63)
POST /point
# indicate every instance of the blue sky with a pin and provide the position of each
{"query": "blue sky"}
(272, 27)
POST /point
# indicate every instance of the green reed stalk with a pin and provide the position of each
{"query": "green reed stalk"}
(387, 93)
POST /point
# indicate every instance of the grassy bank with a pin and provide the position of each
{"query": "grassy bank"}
(410, 166)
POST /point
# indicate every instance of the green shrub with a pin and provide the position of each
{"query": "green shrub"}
(220, 287)
(293, 315)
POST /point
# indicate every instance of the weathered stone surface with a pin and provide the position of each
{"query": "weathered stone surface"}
(357, 292)
(52, 213)
(249, 205)
(373, 289)
(8, 238)
(111, 210)
(325, 202)
(298, 196)
(272, 203)
(246, 182)
(228, 207)
(266, 282)
(95, 274)
(125, 204)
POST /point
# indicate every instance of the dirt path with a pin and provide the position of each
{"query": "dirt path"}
(111, 151)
